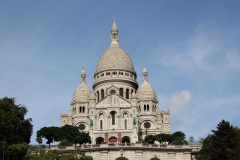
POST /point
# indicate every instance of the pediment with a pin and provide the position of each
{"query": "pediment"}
(118, 102)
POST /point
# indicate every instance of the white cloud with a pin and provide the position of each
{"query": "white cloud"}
(178, 102)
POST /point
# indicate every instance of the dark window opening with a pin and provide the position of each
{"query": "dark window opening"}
(113, 117)
(97, 96)
(121, 92)
(102, 94)
(101, 124)
(127, 93)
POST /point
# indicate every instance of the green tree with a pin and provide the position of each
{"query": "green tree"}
(150, 138)
(82, 138)
(59, 155)
(14, 128)
(65, 142)
(72, 134)
(51, 134)
(178, 138)
(68, 132)
(164, 137)
(19, 151)
(223, 144)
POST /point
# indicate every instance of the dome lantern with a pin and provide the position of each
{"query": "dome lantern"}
(145, 74)
(83, 75)
(114, 33)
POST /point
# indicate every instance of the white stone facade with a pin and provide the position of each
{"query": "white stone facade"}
(117, 110)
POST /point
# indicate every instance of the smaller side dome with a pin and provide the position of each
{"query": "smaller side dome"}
(145, 90)
(82, 92)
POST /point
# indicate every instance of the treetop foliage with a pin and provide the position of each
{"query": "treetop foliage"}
(14, 128)
(177, 138)
(223, 144)
(66, 133)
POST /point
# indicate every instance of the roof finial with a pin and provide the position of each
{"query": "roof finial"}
(114, 33)
(83, 75)
(145, 73)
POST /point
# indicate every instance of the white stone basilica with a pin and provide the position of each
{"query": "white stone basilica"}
(117, 110)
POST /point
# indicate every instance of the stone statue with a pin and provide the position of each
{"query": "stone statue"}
(91, 123)
(134, 121)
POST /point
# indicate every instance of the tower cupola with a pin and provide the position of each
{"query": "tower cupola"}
(114, 33)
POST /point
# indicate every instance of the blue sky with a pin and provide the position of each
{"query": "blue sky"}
(191, 50)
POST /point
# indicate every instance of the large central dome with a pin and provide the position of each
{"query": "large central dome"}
(115, 57)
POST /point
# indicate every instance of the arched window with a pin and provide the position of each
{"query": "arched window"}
(102, 94)
(113, 113)
(97, 96)
(80, 109)
(144, 107)
(75, 110)
(121, 92)
(83, 110)
(127, 93)
(101, 125)
(147, 107)
(139, 109)
(125, 123)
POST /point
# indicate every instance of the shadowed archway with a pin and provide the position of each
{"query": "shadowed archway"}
(99, 140)
(125, 139)
(112, 139)
(121, 158)
(154, 159)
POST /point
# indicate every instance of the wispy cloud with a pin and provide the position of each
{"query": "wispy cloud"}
(177, 104)
(208, 51)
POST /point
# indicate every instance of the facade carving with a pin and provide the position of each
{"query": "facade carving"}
(117, 109)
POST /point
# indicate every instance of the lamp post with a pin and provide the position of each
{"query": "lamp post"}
(3, 147)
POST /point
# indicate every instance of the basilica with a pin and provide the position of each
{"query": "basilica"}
(117, 109)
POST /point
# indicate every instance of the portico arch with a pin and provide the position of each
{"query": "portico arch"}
(154, 159)
(125, 139)
(99, 140)
(112, 139)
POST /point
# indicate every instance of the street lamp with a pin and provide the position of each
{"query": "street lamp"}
(3, 147)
